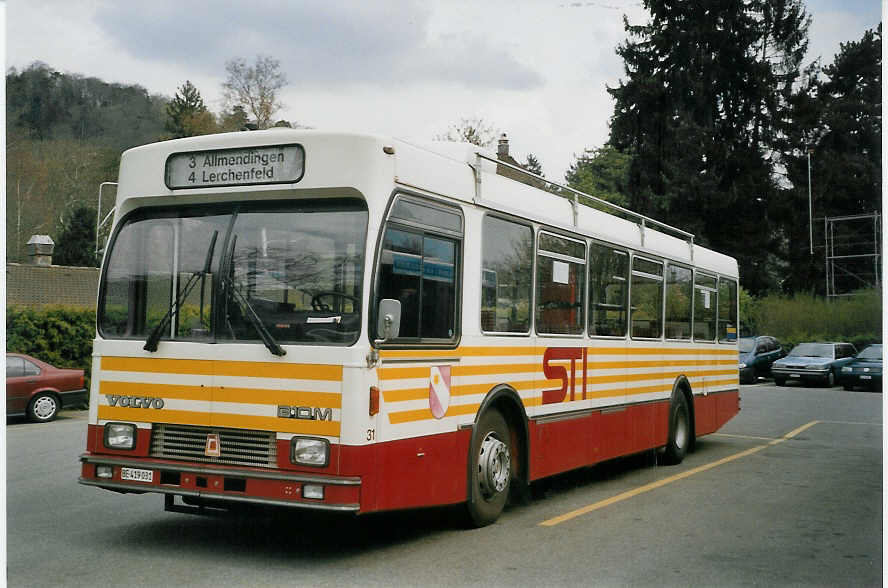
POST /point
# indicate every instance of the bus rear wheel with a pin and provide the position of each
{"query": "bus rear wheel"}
(490, 469)
(679, 431)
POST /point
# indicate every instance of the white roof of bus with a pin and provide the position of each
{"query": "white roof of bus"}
(443, 168)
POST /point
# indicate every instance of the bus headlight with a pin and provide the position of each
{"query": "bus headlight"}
(310, 451)
(120, 435)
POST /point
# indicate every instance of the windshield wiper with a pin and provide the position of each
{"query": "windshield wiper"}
(154, 337)
(254, 319)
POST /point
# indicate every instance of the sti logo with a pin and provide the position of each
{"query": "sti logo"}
(559, 372)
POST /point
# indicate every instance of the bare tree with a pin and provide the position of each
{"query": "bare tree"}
(471, 130)
(254, 87)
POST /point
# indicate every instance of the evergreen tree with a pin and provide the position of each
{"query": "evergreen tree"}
(602, 173)
(234, 120)
(187, 115)
(533, 165)
(77, 241)
(836, 118)
(701, 111)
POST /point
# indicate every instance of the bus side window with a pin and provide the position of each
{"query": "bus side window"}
(608, 287)
(705, 295)
(507, 267)
(727, 310)
(679, 291)
(420, 270)
(646, 293)
(561, 268)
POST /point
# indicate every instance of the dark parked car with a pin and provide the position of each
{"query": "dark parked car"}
(813, 362)
(38, 390)
(864, 370)
(756, 356)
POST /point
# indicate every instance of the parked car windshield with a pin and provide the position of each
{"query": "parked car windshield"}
(747, 345)
(871, 352)
(812, 350)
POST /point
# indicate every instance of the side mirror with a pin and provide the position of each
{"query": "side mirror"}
(388, 321)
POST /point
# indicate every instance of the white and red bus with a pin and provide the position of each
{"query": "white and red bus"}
(357, 323)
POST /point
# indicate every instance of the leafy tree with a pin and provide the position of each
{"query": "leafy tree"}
(76, 243)
(254, 87)
(602, 173)
(187, 115)
(471, 130)
(702, 113)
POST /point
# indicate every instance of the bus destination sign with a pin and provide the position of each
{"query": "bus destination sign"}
(235, 167)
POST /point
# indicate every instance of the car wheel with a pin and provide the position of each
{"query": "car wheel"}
(780, 381)
(830, 380)
(491, 469)
(848, 387)
(679, 432)
(43, 408)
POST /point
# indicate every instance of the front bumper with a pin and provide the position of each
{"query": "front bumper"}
(74, 398)
(223, 483)
(804, 375)
(863, 379)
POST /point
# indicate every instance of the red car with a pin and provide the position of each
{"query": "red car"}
(38, 390)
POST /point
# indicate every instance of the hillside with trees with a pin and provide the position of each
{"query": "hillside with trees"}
(65, 133)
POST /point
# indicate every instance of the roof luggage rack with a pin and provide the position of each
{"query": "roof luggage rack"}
(641, 220)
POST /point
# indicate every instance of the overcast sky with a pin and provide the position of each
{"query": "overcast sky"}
(537, 70)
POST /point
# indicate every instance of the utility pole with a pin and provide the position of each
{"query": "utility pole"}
(810, 210)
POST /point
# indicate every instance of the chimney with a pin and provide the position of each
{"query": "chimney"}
(39, 250)
(502, 147)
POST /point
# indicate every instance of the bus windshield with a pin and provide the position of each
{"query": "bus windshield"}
(238, 272)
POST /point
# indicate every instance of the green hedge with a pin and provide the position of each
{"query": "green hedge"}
(804, 317)
(59, 335)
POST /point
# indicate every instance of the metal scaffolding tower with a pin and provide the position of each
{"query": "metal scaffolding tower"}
(853, 253)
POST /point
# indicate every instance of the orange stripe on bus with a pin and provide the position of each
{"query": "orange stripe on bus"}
(165, 391)
(285, 397)
(236, 421)
(405, 373)
(150, 415)
(407, 394)
(240, 421)
(209, 367)
(215, 393)
(409, 416)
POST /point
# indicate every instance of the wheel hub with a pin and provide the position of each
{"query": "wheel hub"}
(681, 431)
(494, 465)
(44, 407)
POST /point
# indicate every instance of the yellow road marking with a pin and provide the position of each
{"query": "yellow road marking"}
(743, 437)
(659, 483)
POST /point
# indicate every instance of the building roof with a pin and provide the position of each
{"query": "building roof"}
(48, 285)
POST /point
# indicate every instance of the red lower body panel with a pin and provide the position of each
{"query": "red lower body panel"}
(422, 471)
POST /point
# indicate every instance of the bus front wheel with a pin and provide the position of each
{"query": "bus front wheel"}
(679, 431)
(490, 469)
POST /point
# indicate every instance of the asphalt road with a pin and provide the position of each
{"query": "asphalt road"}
(787, 494)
